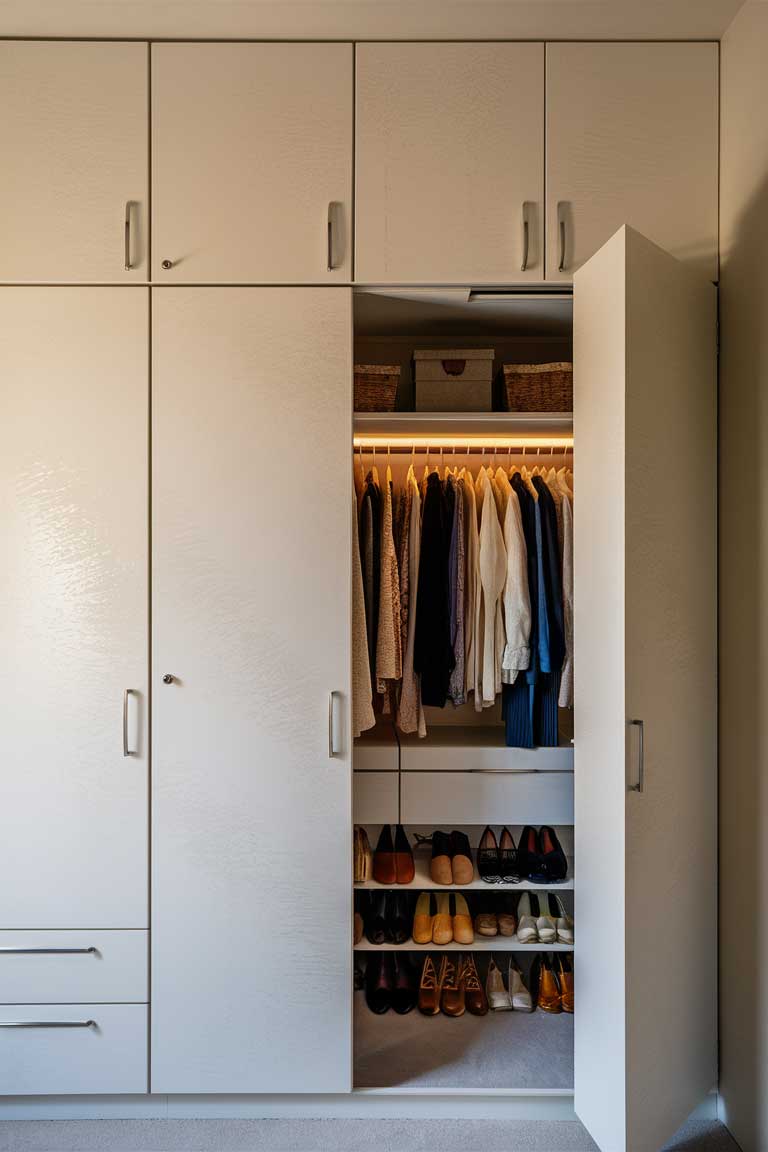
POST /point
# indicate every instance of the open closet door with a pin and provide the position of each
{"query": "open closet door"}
(251, 771)
(645, 700)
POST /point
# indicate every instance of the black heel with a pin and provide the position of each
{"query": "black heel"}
(488, 861)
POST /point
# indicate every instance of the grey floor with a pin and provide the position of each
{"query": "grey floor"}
(323, 1136)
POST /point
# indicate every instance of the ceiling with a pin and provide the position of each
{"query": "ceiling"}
(370, 19)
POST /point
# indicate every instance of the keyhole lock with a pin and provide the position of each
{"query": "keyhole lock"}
(167, 264)
(168, 679)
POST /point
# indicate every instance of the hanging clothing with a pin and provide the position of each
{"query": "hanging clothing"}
(456, 686)
(433, 652)
(389, 655)
(565, 698)
(518, 698)
(362, 707)
(410, 713)
(370, 552)
(517, 600)
(493, 570)
(472, 547)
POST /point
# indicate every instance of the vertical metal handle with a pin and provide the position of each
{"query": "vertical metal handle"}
(524, 265)
(330, 237)
(126, 750)
(561, 227)
(333, 748)
(128, 265)
(638, 787)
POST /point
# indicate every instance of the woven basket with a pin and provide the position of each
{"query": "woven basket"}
(376, 387)
(539, 387)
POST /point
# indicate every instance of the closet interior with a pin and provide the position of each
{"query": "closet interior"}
(459, 774)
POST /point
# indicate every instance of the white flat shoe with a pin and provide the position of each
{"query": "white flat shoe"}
(527, 932)
(563, 921)
(498, 997)
(518, 993)
(545, 925)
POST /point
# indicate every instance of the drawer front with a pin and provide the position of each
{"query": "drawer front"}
(73, 967)
(374, 798)
(454, 798)
(73, 1048)
(439, 753)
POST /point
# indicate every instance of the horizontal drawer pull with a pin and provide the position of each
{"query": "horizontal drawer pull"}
(47, 1023)
(48, 951)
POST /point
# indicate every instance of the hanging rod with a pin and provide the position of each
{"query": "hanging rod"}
(404, 443)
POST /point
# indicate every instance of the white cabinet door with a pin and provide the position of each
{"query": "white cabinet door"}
(252, 163)
(252, 423)
(449, 162)
(632, 138)
(74, 607)
(645, 632)
(75, 156)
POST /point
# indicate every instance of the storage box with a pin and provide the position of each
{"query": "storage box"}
(539, 387)
(376, 387)
(453, 379)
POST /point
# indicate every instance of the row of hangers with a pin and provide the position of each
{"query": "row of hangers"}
(493, 454)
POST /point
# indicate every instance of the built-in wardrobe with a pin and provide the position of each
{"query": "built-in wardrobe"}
(178, 442)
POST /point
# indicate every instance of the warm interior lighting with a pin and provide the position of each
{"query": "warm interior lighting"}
(471, 440)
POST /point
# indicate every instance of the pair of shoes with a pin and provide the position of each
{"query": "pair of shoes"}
(552, 979)
(393, 859)
(442, 917)
(386, 916)
(390, 982)
(453, 989)
(512, 996)
(497, 861)
(540, 857)
(496, 917)
(542, 917)
(362, 856)
(451, 859)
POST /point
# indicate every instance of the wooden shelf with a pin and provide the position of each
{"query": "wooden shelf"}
(480, 944)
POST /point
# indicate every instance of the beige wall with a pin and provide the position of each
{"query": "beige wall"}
(744, 579)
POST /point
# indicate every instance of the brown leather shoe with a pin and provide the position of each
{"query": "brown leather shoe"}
(429, 989)
(461, 919)
(565, 978)
(422, 918)
(440, 864)
(462, 868)
(442, 924)
(474, 993)
(505, 915)
(549, 989)
(486, 921)
(451, 988)
(405, 869)
(384, 871)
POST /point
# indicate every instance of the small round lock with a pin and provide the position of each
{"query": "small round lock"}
(167, 679)
(167, 264)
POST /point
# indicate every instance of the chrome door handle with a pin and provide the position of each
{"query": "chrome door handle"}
(333, 748)
(330, 237)
(561, 227)
(48, 951)
(128, 264)
(126, 750)
(47, 1023)
(638, 787)
(524, 264)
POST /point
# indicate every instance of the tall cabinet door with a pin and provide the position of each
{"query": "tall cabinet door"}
(252, 414)
(74, 607)
(632, 138)
(646, 704)
(75, 153)
(449, 163)
(252, 163)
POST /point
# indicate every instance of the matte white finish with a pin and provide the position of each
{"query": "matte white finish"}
(74, 142)
(632, 137)
(110, 1057)
(116, 971)
(251, 615)
(73, 606)
(450, 748)
(375, 798)
(449, 144)
(645, 601)
(452, 798)
(250, 144)
(376, 755)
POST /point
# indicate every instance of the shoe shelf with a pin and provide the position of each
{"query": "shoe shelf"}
(424, 882)
(480, 944)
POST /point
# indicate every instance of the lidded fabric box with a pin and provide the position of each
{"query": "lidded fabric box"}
(453, 379)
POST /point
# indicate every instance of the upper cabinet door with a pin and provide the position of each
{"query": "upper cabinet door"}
(449, 163)
(646, 693)
(74, 606)
(251, 778)
(74, 147)
(632, 138)
(252, 163)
